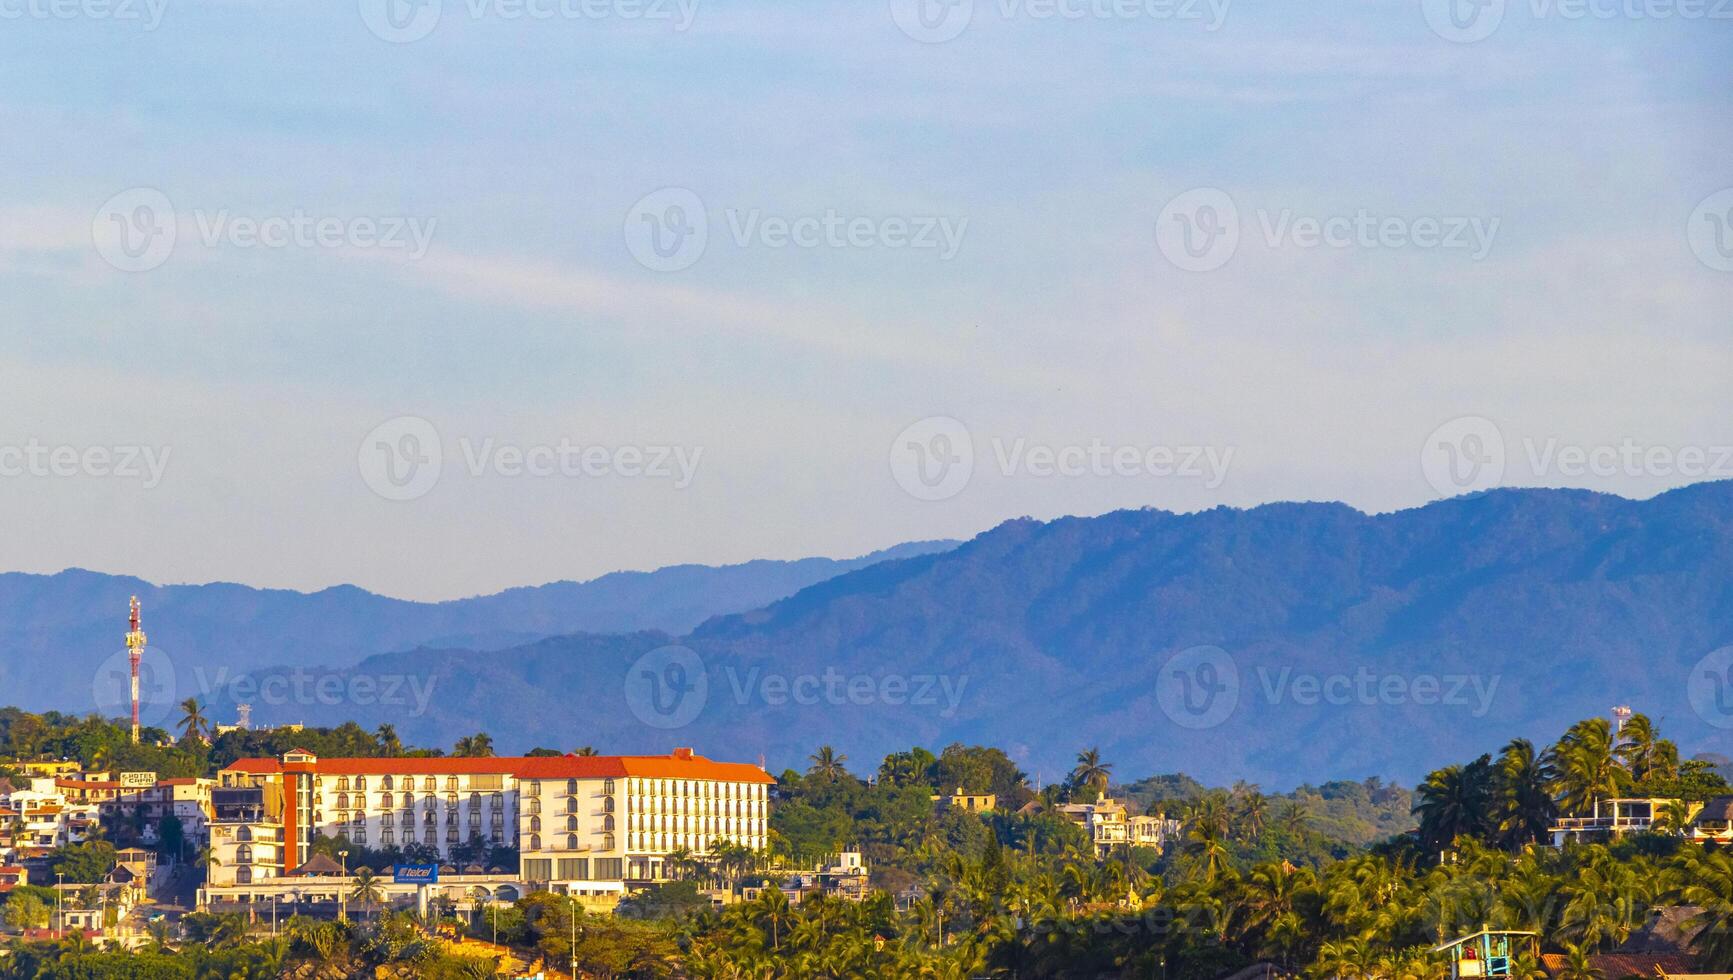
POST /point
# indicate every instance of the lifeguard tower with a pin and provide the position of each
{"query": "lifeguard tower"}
(1487, 953)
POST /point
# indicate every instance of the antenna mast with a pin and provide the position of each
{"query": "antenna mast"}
(134, 651)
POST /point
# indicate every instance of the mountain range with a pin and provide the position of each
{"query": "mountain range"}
(1283, 644)
(62, 636)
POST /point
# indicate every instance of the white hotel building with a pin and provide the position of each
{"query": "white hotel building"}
(581, 824)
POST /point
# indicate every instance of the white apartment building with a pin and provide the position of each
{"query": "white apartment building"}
(580, 824)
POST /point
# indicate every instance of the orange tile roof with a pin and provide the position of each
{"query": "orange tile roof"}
(528, 767)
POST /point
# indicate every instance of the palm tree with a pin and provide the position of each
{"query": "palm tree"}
(477, 746)
(366, 892)
(827, 764)
(1522, 803)
(772, 910)
(193, 724)
(1577, 965)
(1091, 771)
(1453, 802)
(586, 751)
(389, 743)
(1587, 766)
(1704, 878)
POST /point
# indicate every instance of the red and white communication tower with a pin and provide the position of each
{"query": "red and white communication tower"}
(134, 651)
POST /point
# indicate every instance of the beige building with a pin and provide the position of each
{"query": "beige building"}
(583, 825)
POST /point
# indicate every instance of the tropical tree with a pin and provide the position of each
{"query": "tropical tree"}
(194, 725)
(389, 743)
(365, 892)
(827, 764)
(1454, 802)
(1091, 771)
(1522, 802)
(1586, 766)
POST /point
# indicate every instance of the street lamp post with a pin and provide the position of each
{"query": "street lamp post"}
(59, 913)
(343, 891)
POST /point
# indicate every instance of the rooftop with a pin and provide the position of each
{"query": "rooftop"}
(680, 765)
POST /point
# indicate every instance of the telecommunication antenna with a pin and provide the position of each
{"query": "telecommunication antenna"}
(134, 652)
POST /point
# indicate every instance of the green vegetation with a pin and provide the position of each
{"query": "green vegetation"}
(1326, 881)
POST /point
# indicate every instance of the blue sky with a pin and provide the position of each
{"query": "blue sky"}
(1049, 146)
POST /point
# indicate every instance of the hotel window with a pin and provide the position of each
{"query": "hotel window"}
(571, 842)
(607, 804)
(408, 833)
(571, 786)
(536, 806)
(342, 801)
(386, 836)
(608, 786)
(574, 869)
(451, 782)
(360, 836)
(535, 823)
(361, 783)
(343, 782)
(408, 799)
(430, 783)
(607, 845)
(608, 869)
(385, 782)
(244, 875)
(244, 854)
(572, 824)
(428, 821)
(385, 800)
(497, 801)
(608, 823)
(535, 842)
(571, 804)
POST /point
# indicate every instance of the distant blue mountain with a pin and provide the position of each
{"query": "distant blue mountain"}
(1354, 644)
(59, 634)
